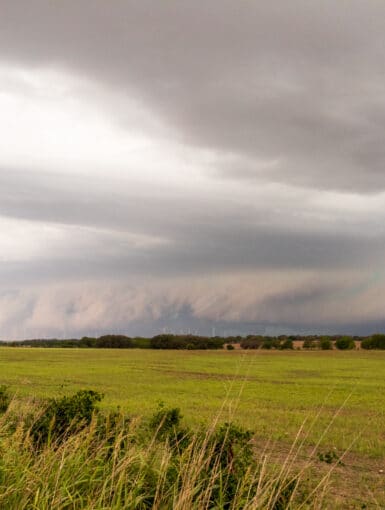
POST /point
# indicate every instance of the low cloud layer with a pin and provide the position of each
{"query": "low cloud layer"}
(191, 164)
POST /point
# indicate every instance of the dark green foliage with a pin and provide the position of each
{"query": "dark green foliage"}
(285, 492)
(329, 457)
(266, 342)
(166, 423)
(5, 398)
(165, 420)
(280, 343)
(164, 341)
(376, 341)
(345, 343)
(286, 344)
(308, 343)
(269, 343)
(325, 344)
(150, 458)
(105, 342)
(86, 341)
(230, 449)
(252, 342)
(114, 342)
(65, 416)
(169, 341)
(191, 342)
(232, 445)
(141, 343)
(230, 347)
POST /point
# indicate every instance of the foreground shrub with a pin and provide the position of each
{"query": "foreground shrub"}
(165, 420)
(65, 416)
(135, 464)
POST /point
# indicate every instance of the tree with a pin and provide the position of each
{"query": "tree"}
(345, 343)
(325, 343)
(376, 341)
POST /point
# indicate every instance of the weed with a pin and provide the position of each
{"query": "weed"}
(330, 457)
(5, 398)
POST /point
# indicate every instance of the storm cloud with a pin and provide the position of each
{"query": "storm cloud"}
(191, 163)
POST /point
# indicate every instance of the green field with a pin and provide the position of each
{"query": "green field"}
(337, 397)
(269, 392)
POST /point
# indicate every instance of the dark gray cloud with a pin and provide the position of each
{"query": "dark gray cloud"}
(215, 237)
(298, 82)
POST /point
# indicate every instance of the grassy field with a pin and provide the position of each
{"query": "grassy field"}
(339, 395)
(270, 392)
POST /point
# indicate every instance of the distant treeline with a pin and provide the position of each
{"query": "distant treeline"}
(170, 341)
(324, 342)
(165, 341)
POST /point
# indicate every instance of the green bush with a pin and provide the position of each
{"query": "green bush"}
(231, 450)
(286, 344)
(110, 461)
(345, 343)
(165, 419)
(230, 347)
(376, 341)
(166, 424)
(65, 416)
(325, 344)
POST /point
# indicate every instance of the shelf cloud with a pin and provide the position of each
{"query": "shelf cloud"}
(186, 164)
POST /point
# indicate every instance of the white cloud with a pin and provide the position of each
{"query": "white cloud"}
(22, 240)
(55, 121)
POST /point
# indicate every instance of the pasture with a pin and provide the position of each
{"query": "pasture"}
(341, 395)
(335, 399)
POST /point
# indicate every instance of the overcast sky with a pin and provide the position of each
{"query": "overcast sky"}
(190, 165)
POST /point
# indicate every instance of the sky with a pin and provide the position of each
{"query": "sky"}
(214, 167)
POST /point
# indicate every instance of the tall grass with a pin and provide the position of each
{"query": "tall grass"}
(112, 462)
